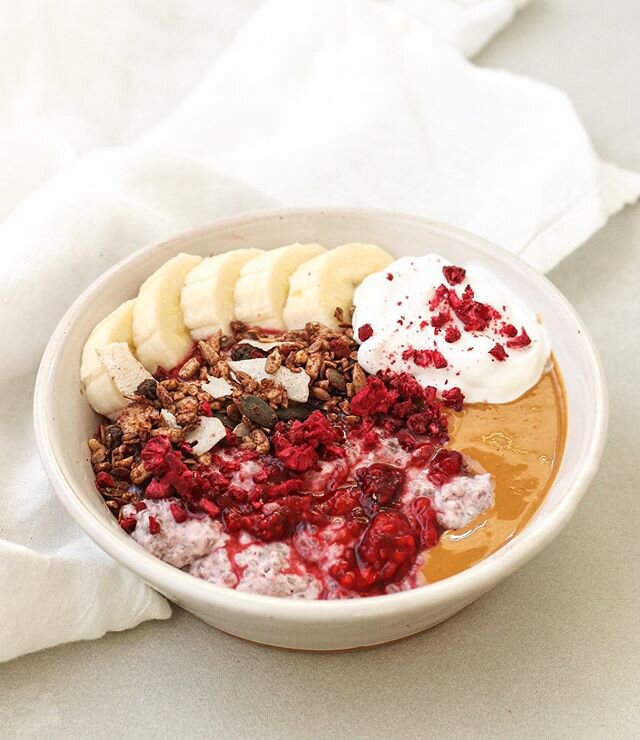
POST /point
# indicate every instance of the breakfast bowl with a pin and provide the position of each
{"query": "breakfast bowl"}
(64, 421)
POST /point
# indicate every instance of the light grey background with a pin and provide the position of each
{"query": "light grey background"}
(553, 652)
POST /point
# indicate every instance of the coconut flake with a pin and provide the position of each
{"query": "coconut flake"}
(296, 384)
(207, 434)
(217, 387)
(123, 368)
(169, 418)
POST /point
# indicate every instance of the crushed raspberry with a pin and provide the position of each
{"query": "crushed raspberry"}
(453, 398)
(104, 480)
(451, 334)
(154, 453)
(381, 483)
(374, 398)
(440, 319)
(389, 276)
(365, 332)
(209, 507)
(498, 352)
(475, 316)
(298, 458)
(438, 359)
(178, 513)
(426, 358)
(440, 294)
(128, 523)
(454, 275)
(426, 518)
(522, 340)
(140, 506)
(154, 525)
(205, 408)
(300, 445)
(444, 465)
(508, 330)
(340, 348)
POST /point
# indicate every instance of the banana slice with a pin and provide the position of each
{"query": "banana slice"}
(123, 368)
(261, 291)
(102, 393)
(327, 282)
(207, 294)
(159, 333)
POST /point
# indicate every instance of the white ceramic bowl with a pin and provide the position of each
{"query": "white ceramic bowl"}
(64, 421)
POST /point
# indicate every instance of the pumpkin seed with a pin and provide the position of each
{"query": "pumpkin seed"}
(298, 413)
(336, 379)
(258, 411)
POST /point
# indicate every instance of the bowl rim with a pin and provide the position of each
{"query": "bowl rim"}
(475, 580)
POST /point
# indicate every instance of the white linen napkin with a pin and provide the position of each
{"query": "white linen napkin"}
(174, 119)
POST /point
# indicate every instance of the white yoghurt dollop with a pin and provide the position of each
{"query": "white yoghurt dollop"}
(395, 304)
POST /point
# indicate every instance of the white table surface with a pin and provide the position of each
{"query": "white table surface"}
(553, 652)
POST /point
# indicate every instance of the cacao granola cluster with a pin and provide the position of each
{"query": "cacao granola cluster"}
(172, 404)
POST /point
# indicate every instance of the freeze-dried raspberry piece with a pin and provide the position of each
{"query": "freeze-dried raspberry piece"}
(498, 352)
(365, 332)
(453, 398)
(522, 340)
(451, 334)
(454, 275)
(374, 398)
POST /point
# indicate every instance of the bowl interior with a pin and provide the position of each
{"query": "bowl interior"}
(66, 420)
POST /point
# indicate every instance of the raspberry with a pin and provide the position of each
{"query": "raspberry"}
(438, 359)
(388, 548)
(444, 465)
(178, 513)
(389, 276)
(454, 275)
(374, 398)
(451, 334)
(421, 357)
(104, 480)
(343, 502)
(439, 295)
(154, 453)
(440, 319)
(340, 348)
(380, 482)
(428, 357)
(298, 458)
(523, 340)
(205, 408)
(498, 352)
(128, 523)
(365, 332)
(154, 525)
(508, 330)
(474, 315)
(209, 507)
(453, 398)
